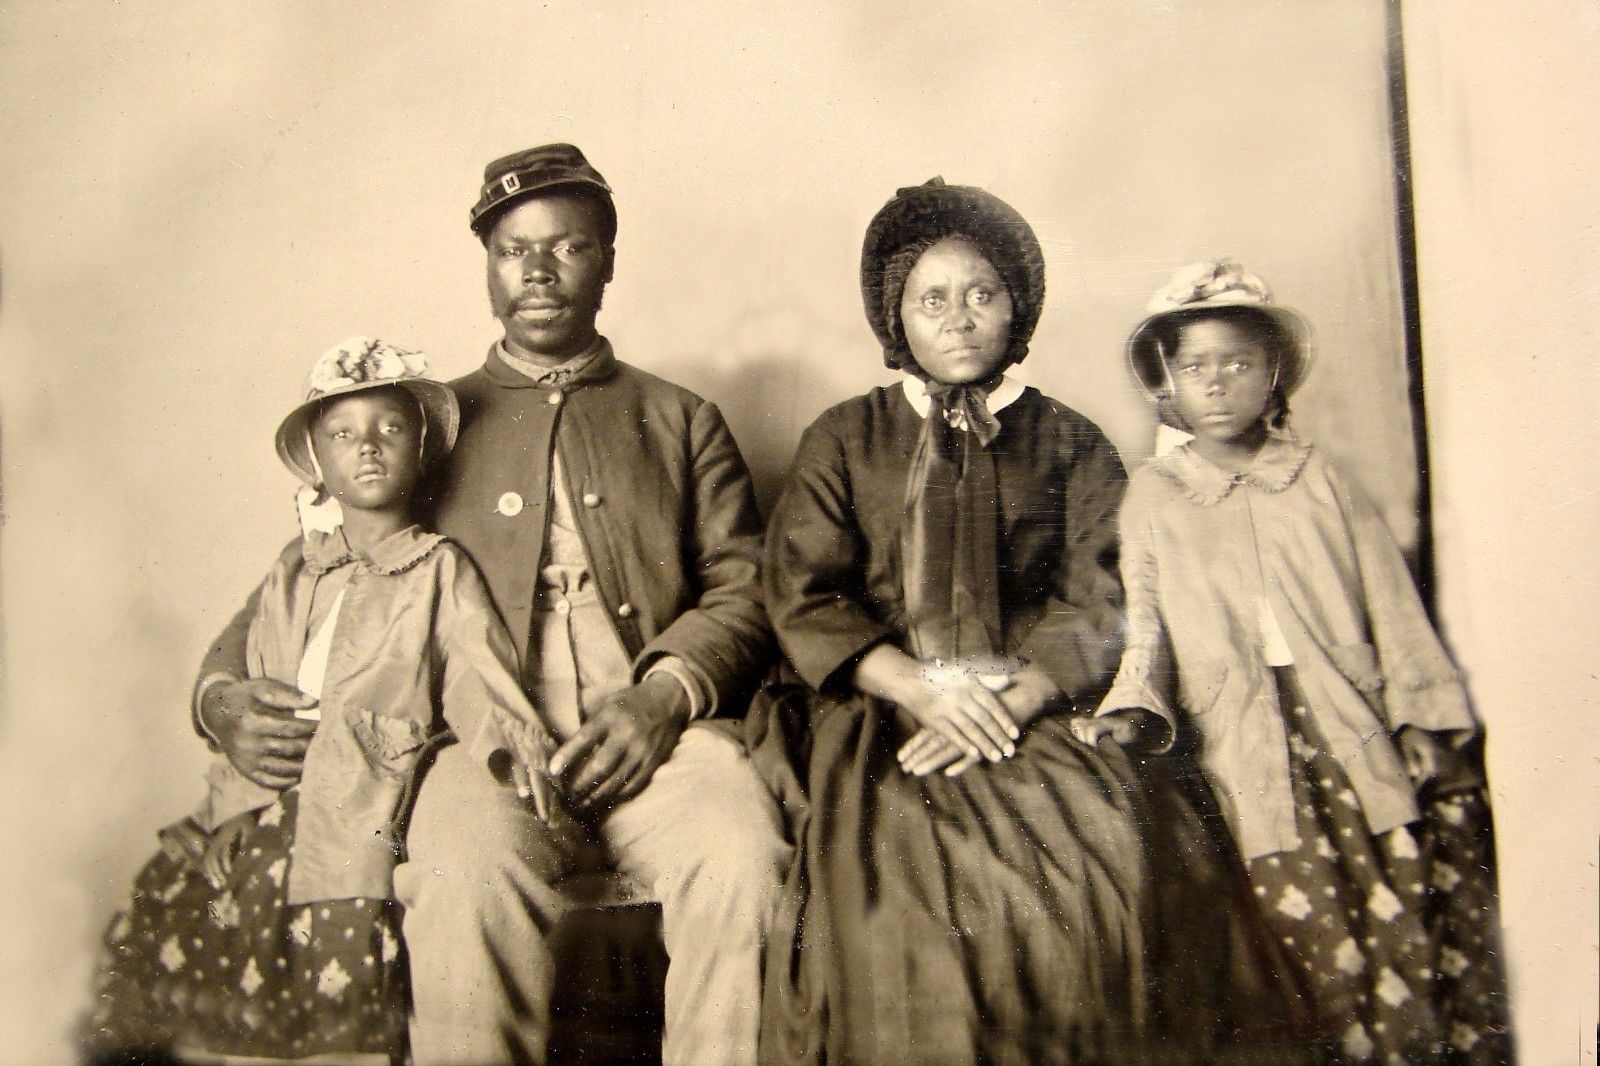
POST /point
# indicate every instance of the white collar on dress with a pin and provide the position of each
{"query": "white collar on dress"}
(1008, 392)
(1273, 469)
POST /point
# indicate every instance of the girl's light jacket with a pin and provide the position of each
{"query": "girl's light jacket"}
(419, 658)
(1202, 551)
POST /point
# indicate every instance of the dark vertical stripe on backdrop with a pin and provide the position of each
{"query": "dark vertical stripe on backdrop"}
(1411, 310)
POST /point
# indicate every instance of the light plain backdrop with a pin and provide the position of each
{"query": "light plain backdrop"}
(197, 199)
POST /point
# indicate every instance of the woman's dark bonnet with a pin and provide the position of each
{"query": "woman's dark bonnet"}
(920, 217)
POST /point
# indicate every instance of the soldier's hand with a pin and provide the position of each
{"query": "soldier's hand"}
(617, 750)
(255, 725)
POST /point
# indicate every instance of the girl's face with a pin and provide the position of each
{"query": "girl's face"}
(369, 446)
(1222, 379)
(956, 313)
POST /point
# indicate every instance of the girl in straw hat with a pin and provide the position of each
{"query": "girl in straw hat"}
(1273, 622)
(266, 925)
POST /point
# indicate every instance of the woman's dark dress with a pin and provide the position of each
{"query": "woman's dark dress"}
(1013, 913)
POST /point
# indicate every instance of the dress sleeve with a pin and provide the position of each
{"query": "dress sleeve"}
(480, 695)
(1421, 686)
(228, 794)
(1077, 639)
(815, 558)
(227, 656)
(723, 637)
(1146, 678)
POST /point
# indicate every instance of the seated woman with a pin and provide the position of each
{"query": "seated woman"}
(972, 884)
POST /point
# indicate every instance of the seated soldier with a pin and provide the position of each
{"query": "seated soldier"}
(615, 523)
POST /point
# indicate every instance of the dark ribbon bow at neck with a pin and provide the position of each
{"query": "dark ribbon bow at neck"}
(967, 405)
(950, 531)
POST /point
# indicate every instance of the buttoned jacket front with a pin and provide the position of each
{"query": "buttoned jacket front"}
(663, 500)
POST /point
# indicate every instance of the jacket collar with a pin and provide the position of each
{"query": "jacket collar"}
(1274, 468)
(602, 366)
(1008, 392)
(394, 554)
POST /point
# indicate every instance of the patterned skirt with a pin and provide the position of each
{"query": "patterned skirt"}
(1396, 934)
(236, 971)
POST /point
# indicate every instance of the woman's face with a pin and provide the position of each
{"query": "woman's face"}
(956, 313)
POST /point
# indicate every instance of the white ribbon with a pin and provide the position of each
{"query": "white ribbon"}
(318, 512)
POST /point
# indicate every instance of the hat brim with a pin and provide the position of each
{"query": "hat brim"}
(485, 215)
(936, 210)
(1145, 363)
(440, 410)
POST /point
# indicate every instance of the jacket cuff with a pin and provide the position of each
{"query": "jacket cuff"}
(229, 794)
(702, 696)
(704, 645)
(1437, 706)
(202, 687)
(1129, 693)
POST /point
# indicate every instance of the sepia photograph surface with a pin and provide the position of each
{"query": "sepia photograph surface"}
(199, 204)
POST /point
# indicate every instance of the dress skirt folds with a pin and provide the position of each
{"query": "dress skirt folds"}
(236, 970)
(1061, 905)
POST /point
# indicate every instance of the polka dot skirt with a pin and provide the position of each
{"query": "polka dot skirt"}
(1397, 934)
(236, 971)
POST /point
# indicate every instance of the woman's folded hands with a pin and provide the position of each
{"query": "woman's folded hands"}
(968, 711)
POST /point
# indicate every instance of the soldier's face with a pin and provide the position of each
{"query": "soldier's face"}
(548, 269)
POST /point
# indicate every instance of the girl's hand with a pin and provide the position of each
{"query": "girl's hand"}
(255, 725)
(185, 842)
(220, 852)
(1422, 752)
(1132, 728)
(524, 765)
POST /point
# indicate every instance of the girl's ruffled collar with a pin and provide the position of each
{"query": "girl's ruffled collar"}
(1274, 469)
(395, 554)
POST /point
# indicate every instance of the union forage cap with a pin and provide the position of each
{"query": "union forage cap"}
(521, 174)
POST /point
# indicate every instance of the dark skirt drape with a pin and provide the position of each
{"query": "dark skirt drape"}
(1059, 906)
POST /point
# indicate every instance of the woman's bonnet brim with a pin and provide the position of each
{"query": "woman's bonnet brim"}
(935, 209)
